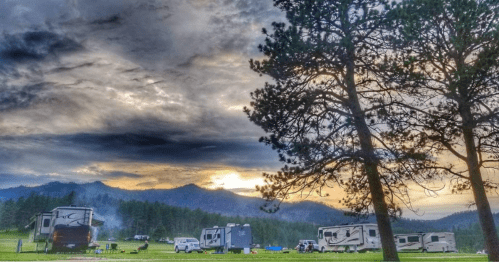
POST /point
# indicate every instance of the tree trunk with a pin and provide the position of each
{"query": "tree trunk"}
(482, 203)
(371, 169)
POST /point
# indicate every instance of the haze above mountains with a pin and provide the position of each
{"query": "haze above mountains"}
(230, 204)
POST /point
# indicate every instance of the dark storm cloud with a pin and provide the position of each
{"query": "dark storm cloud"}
(35, 45)
(111, 175)
(19, 97)
(82, 149)
(142, 147)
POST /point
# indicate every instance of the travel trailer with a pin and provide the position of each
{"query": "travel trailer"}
(63, 228)
(426, 242)
(233, 237)
(351, 238)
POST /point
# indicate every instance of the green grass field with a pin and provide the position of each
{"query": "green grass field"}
(163, 252)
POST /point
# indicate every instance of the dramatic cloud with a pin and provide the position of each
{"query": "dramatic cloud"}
(86, 84)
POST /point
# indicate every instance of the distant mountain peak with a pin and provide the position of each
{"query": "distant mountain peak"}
(98, 183)
(190, 186)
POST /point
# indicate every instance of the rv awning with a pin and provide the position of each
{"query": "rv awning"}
(97, 223)
(32, 224)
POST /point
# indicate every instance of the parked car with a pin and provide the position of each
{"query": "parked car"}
(165, 240)
(141, 237)
(111, 239)
(128, 239)
(302, 245)
(187, 244)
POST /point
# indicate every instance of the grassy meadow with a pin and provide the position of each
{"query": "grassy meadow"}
(163, 252)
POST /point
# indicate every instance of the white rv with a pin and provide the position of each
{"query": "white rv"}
(233, 237)
(63, 228)
(426, 242)
(351, 238)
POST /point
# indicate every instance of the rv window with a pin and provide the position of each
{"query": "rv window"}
(335, 235)
(372, 232)
(328, 234)
(320, 234)
(434, 238)
(348, 233)
(402, 240)
(413, 239)
(208, 236)
(218, 235)
(46, 222)
(57, 214)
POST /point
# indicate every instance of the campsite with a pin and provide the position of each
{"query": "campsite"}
(164, 252)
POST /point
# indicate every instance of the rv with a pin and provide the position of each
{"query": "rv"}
(63, 228)
(426, 242)
(351, 238)
(233, 237)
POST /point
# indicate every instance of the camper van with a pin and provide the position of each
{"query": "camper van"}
(232, 237)
(351, 238)
(426, 242)
(63, 228)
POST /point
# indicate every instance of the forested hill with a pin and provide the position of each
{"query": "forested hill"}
(193, 197)
(228, 204)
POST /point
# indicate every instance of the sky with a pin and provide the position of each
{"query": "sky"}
(141, 94)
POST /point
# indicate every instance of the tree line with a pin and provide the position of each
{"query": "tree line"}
(15, 215)
(160, 220)
(377, 97)
(156, 219)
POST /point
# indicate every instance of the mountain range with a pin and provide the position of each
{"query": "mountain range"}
(230, 204)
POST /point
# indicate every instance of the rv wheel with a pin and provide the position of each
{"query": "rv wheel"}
(424, 250)
(176, 249)
(323, 250)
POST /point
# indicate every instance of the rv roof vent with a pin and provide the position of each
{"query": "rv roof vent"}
(231, 224)
(215, 226)
(246, 225)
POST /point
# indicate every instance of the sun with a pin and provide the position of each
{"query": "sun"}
(233, 180)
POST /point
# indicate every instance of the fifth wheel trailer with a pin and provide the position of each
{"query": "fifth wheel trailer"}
(426, 242)
(64, 228)
(351, 238)
(232, 237)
